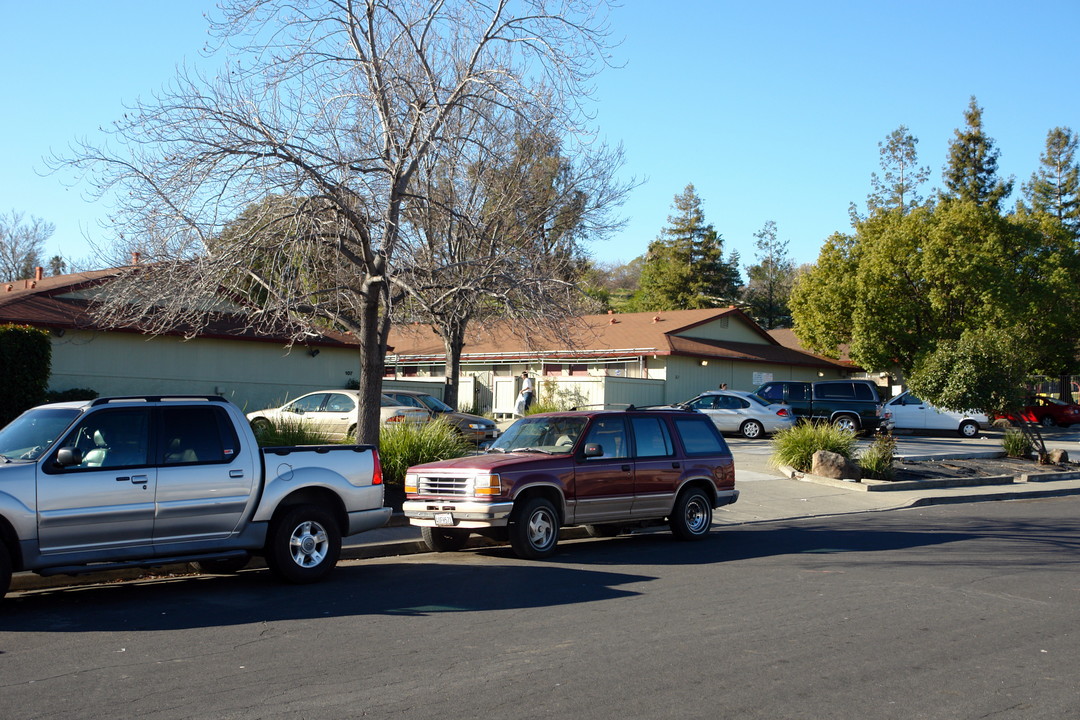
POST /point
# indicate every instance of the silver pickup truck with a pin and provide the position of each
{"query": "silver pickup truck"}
(146, 481)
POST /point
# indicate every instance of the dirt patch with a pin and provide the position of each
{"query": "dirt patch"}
(988, 467)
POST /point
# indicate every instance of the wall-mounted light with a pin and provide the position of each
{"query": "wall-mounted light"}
(704, 363)
(820, 373)
(313, 352)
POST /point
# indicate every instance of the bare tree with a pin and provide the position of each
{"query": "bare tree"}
(22, 242)
(332, 106)
(501, 237)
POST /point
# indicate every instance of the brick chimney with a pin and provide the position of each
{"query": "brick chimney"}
(39, 272)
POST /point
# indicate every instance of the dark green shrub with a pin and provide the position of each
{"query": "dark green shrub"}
(25, 365)
(877, 460)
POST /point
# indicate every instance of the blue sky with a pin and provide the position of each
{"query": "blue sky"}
(773, 110)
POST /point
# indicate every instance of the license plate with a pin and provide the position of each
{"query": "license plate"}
(444, 518)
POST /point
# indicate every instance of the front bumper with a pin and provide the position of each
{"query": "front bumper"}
(462, 514)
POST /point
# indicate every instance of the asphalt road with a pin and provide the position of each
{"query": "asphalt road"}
(964, 611)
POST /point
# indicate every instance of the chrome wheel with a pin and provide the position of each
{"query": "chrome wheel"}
(691, 517)
(309, 544)
(535, 532)
(846, 422)
(752, 429)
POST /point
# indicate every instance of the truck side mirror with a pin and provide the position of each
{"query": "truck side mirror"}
(69, 457)
(594, 450)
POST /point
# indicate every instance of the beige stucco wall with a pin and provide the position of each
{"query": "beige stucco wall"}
(254, 375)
(728, 328)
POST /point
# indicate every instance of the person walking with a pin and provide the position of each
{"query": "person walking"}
(527, 391)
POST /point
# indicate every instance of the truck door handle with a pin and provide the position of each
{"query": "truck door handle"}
(134, 479)
(626, 468)
(675, 465)
(236, 473)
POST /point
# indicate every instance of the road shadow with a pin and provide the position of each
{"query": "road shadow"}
(455, 585)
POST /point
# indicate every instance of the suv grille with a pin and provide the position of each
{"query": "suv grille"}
(442, 485)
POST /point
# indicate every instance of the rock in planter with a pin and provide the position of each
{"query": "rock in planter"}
(834, 465)
(1059, 456)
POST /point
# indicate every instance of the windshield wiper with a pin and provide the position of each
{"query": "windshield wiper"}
(495, 449)
(532, 449)
(6, 458)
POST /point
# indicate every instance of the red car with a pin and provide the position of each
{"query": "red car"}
(1048, 412)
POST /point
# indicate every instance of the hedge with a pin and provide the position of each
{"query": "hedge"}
(25, 365)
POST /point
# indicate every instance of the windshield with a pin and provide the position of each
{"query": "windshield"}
(546, 434)
(32, 433)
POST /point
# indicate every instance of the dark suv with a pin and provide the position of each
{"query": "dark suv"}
(606, 470)
(850, 404)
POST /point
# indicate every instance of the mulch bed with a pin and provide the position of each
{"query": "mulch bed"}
(933, 469)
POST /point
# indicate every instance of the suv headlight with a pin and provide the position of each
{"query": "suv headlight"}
(411, 480)
(488, 484)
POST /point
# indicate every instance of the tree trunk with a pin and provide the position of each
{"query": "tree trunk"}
(373, 334)
(453, 342)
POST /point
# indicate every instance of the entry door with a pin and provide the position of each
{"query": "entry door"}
(107, 501)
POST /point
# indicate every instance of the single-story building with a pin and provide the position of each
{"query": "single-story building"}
(636, 358)
(618, 358)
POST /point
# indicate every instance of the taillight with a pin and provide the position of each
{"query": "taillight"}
(376, 470)
(782, 412)
(395, 418)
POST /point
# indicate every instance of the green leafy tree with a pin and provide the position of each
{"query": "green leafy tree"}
(685, 267)
(971, 170)
(897, 188)
(824, 295)
(769, 282)
(1054, 188)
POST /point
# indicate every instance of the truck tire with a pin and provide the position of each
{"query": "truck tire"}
(303, 545)
(968, 429)
(534, 531)
(5, 570)
(691, 518)
(444, 540)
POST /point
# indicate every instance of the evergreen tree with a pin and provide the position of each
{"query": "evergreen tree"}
(971, 171)
(685, 267)
(897, 188)
(1055, 188)
(769, 282)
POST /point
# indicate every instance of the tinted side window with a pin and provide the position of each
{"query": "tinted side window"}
(112, 438)
(835, 391)
(772, 392)
(864, 392)
(651, 437)
(610, 434)
(309, 403)
(699, 437)
(196, 435)
(798, 391)
(339, 403)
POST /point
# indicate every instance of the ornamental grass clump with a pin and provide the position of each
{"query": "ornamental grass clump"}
(795, 446)
(402, 445)
(288, 431)
(876, 461)
(1016, 443)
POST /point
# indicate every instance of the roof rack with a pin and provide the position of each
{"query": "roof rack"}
(604, 406)
(156, 398)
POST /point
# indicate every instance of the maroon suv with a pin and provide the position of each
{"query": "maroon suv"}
(607, 470)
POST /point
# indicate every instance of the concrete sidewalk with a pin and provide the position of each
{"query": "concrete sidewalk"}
(764, 497)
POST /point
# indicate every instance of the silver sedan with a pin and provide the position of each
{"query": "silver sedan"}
(733, 411)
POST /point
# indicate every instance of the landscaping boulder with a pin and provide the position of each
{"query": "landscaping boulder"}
(1059, 456)
(834, 465)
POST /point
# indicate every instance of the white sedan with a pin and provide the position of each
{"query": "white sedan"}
(910, 413)
(333, 412)
(742, 412)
